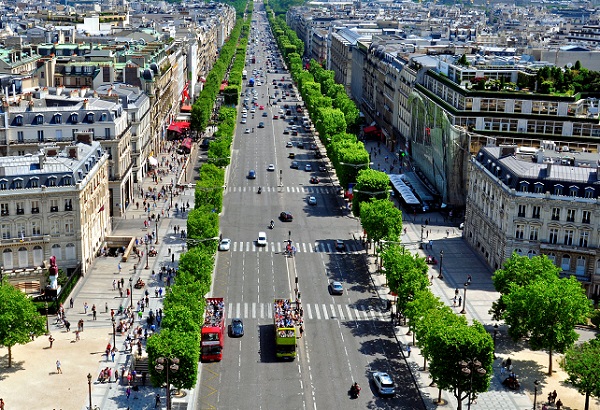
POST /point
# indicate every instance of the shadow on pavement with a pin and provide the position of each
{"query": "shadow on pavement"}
(266, 336)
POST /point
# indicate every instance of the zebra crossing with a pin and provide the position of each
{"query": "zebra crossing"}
(309, 189)
(312, 311)
(279, 247)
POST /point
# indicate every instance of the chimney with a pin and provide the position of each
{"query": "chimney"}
(30, 106)
(72, 152)
(85, 104)
(548, 169)
(41, 160)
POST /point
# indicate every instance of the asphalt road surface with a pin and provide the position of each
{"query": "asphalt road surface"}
(346, 337)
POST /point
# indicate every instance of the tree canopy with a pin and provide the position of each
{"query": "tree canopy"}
(583, 367)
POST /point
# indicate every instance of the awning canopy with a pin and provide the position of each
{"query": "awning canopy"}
(368, 130)
(186, 108)
(179, 126)
(152, 161)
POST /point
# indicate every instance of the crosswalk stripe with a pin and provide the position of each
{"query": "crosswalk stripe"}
(237, 309)
(317, 312)
(262, 310)
(230, 310)
(270, 311)
(301, 247)
(349, 312)
(333, 314)
(309, 311)
(341, 312)
(245, 309)
(253, 310)
(325, 315)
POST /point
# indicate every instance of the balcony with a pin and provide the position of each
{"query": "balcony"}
(20, 211)
(35, 210)
(53, 209)
(68, 207)
(4, 212)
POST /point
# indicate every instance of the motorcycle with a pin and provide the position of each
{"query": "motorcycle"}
(354, 391)
(512, 383)
(259, 189)
(272, 225)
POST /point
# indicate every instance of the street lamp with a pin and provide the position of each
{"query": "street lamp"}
(114, 331)
(147, 257)
(464, 309)
(156, 219)
(441, 275)
(47, 327)
(131, 293)
(536, 384)
(470, 368)
(422, 230)
(172, 364)
(89, 377)
(495, 334)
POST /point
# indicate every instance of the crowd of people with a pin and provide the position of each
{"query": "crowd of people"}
(287, 313)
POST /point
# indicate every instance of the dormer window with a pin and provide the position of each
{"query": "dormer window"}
(103, 117)
(67, 180)
(90, 117)
(74, 118)
(558, 189)
(52, 181)
(589, 192)
(39, 119)
(524, 186)
(57, 119)
(34, 182)
(538, 188)
(573, 190)
(19, 120)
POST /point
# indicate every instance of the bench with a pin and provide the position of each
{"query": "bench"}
(29, 288)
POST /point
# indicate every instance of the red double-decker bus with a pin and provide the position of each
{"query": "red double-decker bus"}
(213, 330)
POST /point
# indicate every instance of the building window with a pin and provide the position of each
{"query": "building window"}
(553, 236)
(57, 118)
(531, 253)
(34, 182)
(522, 209)
(69, 226)
(535, 213)
(18, 183)
(556, 214)
(4, 209)
(107, 133)
(552, 257)
(19, 120)
(569, 234)
(589, 192)
(58, 135)
(571, 215)
(35, 207)
(70, 251)
(23, 257)
(20, 136)
(534, 232)
(520, 231)
(56, 251)
(38, 256)
(558, 189)
(7, 259)
(74, 118)
(584, 238)
(21, 230)
(68, 205)
(40, 135)
(580, 266)
(20, 207)
(573, 191)
(36, 229)
(55, 226)
(538, 188)
(39, 119)
(5, 230)
(585, 217)
(54, 205)
(566, 263)
(3, 185)
(52, 181)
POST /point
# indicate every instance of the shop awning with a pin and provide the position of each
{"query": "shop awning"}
(368, 130)
(179, 126)
(152, 161)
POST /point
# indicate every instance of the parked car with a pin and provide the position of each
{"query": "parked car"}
(336, 288)
(225, 244)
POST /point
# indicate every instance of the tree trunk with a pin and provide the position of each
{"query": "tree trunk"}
(587, 400)
(424, 364)
(9, 356)
(439, 396)
(550, 363)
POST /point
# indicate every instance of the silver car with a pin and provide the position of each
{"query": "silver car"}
(384, 383)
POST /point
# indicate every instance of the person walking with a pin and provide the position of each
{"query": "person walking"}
(157, 401)
(51, 340)
(119, 267)
(408, 351)
(85, 308)
(71, 302)
(128, 392)
(114, 284)
(58, 367)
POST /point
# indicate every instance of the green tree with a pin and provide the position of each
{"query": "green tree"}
(171, 344)
(370, 184)
(406, 274)
(18, 318)
(520, 270)
(546, 311)
(381, 220)
(583, 367)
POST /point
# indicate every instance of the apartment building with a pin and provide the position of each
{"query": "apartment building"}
(533, 202)
(53, 202)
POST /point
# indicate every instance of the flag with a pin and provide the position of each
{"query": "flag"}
(101, 209)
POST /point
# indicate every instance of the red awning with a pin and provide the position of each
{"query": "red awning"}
(186, 108)
(179, 126)
(368, 130)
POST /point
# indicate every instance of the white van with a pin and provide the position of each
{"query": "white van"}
(262, 239)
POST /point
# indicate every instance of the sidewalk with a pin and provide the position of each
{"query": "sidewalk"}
(459, 261)
(33, 382)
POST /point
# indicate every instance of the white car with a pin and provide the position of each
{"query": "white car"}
(247, 131)
(225, 244)
(312, 200)
(262, 239)
(244, 115)
(384, 383)
(243, 121)
(271, 168)
(252, 110)
(307, 167)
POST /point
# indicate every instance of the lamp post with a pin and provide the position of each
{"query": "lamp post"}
(47, 327)
(89, 377)
(114, 331)
(464, 309)
(470, 368)
(495, 335)
(441, 275)
(422, 231)
(171, 191)
(172, 364)
(131, 293)
(147, 257)
(156, 233)
(535, 387)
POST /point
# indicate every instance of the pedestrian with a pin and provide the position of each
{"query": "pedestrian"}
(116, 375)
(1, 404)
(105, 307)
(157, 402)
(77, 335)
(408, 351)
(160, 291)
(503, 368)
(114, 284)
(173, 257)
(112, 354)
(68, 325)
(121, 292)
(128, 392)
(51, 340)
(85, 308)
(468, 279)
(71, 302)
(459, 301)
(559, 404)
(58, 367)
(119, 267)
(94, 314)
(454, 301)
(554, 394)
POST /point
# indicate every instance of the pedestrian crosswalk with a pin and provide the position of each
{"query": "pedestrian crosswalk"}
(279, 247)
(308, 189)
(312, 311)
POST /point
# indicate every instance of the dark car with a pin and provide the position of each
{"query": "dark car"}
(264, 114)
(314, 180)
(286, 217)
(252, 174)
(236, 328)
(261, 125)
(340, 245)
(294, 165)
